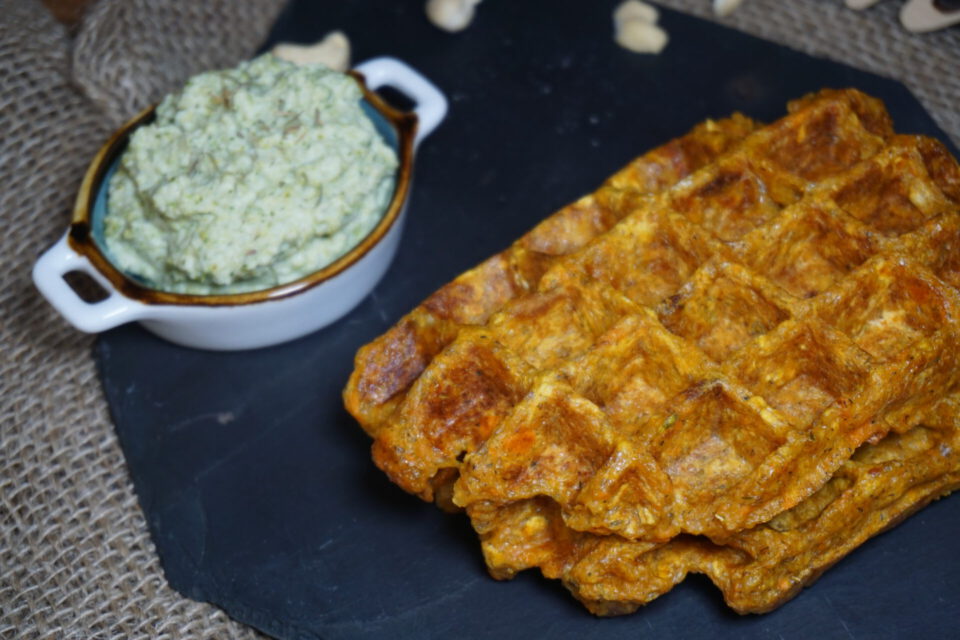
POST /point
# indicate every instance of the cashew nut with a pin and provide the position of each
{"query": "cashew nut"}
(333, 51)
(451, 15)
(635, 27)
(635, 10)
(641, 37)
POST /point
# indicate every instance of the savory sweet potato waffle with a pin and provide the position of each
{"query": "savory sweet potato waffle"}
(739, 357)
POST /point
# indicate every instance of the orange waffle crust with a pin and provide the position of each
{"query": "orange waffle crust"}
(738, 357)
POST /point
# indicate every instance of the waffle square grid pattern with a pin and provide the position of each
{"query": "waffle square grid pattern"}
(738, 358)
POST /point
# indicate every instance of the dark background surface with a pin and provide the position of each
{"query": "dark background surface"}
(258, 487)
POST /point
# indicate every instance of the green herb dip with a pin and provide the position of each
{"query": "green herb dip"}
(248, 178)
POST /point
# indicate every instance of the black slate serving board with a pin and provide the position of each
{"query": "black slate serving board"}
(257, 485)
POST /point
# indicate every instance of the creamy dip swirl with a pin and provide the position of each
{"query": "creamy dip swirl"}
(248, 178)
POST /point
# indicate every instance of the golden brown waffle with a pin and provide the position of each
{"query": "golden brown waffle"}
(874, 489)
(387, 366)
(708, 366)
(757, 570)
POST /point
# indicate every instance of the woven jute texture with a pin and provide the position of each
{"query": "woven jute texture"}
(76, 560)
(75, 557)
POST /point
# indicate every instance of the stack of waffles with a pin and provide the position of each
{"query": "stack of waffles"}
(738, 357)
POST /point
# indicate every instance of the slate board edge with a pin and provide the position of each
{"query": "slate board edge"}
(265, 621)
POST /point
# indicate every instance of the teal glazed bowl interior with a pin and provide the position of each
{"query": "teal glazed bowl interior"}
(396, 128)
(255, 318)
(386, 129)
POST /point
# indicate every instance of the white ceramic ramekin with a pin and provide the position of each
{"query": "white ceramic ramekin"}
(254, 319)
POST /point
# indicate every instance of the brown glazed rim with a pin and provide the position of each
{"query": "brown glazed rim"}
(80, 236)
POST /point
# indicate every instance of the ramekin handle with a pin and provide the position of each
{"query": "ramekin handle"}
(91, 317)
(431, 104)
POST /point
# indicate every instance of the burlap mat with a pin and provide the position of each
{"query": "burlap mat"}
(75, 557)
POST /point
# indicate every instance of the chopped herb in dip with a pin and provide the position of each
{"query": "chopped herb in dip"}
(248, 178)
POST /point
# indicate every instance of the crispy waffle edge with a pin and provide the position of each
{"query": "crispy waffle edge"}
(879, 245)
